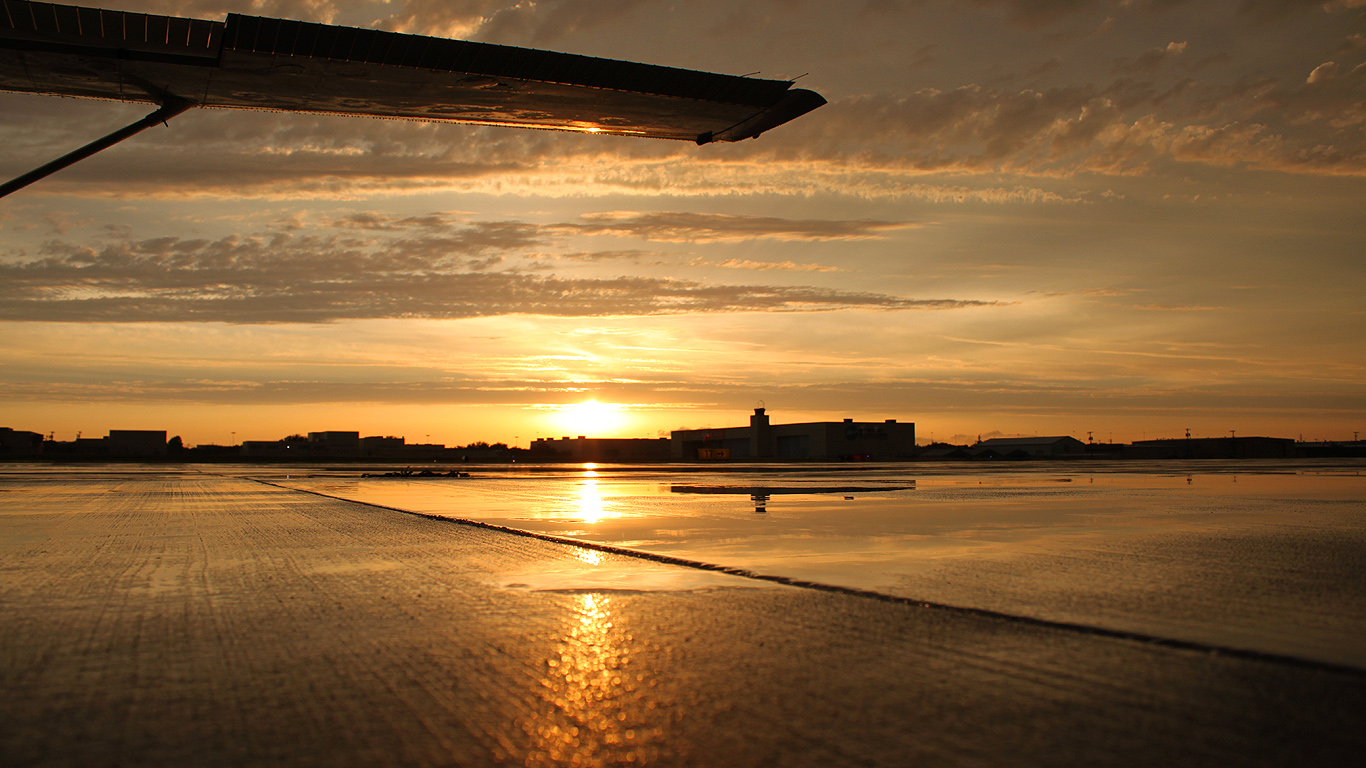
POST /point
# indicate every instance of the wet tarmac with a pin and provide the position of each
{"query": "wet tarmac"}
(1255, 555)
(173, 618)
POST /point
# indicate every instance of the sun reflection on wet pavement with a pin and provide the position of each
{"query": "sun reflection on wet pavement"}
(598, 717)
(593, 504)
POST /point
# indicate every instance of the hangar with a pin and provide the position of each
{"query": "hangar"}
(846, 440)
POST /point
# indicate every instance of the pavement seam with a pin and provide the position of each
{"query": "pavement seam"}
(1139, 637)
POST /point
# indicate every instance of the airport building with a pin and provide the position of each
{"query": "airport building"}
(1053, 447)
(342, 445)
(390, 447)
(846, 440)
(335, 443)
(15, 443)
(381, 445)
(1214, 448)
(136, 443)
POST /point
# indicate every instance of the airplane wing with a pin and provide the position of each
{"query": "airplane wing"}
(252, 62)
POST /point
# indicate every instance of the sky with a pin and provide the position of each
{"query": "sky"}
(1126, 218)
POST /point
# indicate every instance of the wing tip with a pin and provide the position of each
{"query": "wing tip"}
(792, 105)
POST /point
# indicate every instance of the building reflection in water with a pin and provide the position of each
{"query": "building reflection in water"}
(598, 716)
(760, 502)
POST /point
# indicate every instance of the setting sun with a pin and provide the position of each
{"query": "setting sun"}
(591, 418)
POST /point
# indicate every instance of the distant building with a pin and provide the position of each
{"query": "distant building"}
(1214, 448)
(1336, 449)
(604, 449)
(212, 452)
(398, 448)
(294, 447)
(16, 444)
(89, 446)
(943, 451)
(380, 447)
(260, 448)
(118, 444)
(482, 451)
(341, 446)
(324, 444)
(814, 441)
(1032, 447)
(433, 451)
(136, 443)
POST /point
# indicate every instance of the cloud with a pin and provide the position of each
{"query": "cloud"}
(1178, 307)
(382, 222)
(663, 226)
(599, 256)
(457, 18)
(320, 11)
(970, 129)
(1151, 60)
(681, 227)
(504, 21)
(1106, 292)
(543, 23)
(1039, 12)
(294, 278)
(903, 396)
(61, 222)
(1273, 10)
(780, 265)
(1325, 71)
(1042, 12)
(1127, 127)
(637, 256)
(442, 18)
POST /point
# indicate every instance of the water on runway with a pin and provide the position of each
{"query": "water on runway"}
(1261, 556)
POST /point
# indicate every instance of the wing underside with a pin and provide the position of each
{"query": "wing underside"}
(250, 62)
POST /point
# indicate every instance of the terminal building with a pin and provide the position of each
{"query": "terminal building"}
(846, 440)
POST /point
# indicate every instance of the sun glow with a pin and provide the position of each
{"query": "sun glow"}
(591, 419)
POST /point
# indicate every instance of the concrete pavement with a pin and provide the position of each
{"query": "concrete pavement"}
(174, 619)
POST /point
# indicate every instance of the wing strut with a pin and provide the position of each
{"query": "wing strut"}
(170, 107)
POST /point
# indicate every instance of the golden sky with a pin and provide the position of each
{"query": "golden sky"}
(1014, 217)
